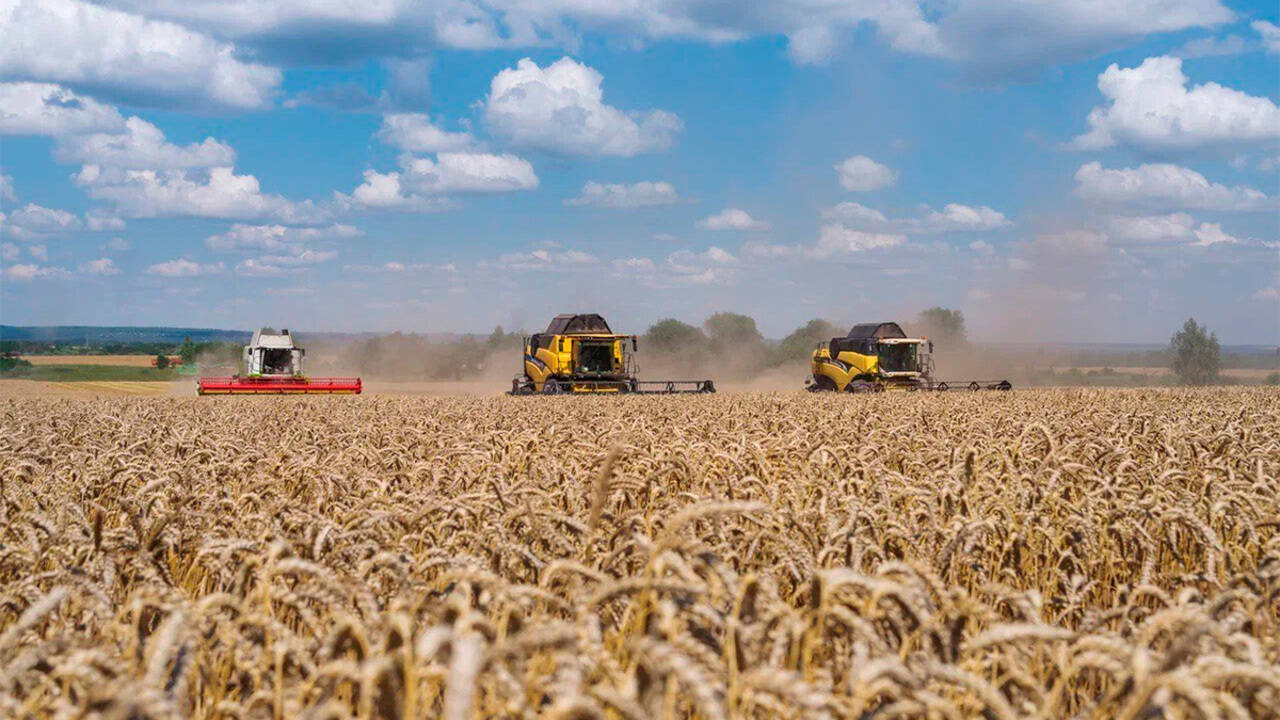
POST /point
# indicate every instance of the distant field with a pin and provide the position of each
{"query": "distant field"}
(120, 360)
(92, 373)
(1241, 373)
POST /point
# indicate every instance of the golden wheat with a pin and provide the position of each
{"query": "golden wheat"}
(1045, 554)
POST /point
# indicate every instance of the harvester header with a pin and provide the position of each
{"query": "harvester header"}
(271, 364)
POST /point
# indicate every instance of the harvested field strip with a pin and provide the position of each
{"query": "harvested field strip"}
(1038, 554)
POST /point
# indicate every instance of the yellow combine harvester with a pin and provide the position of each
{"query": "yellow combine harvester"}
(579, 354)
(879, 356)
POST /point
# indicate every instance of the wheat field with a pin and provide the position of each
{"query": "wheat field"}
(1039, 554)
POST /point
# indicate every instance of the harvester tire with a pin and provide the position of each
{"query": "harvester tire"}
(974, 386)
(551, 387)
(943, 387)
(860, 386)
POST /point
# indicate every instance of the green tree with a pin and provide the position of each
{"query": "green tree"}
(1196, 354)
(799, 344)
(671, 335)
(732, 329)
(943, 325)
(188, 351)
(162, 361)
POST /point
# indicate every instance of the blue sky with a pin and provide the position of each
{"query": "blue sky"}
(1083, 171)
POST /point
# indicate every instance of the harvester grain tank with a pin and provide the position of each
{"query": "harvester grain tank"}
(879, 356)
(579, 354)
(271, 364)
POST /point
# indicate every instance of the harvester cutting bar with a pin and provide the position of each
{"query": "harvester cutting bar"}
(672, 387)
(967, 385)
(614, 387)
(278, 386)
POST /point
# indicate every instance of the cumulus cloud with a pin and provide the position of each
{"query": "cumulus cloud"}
(36, 221)
(1212, 234)
(835, 239)
(27, 273)
(635, 266)
(126, 55)
(215, 193)
(101, 266)
(182, 267)
(711, 266)
(421, 180)
(861, 173)
(98, 220)
(1152, 108)
(141, 146)
(1162, 185)
(974, 33)
(414, 132)
(1152, 228)
(953, 217)
(561, 108)
(732, 219)
(276, 237)
(283, 264)
(1270, 34)
(29, 108)
(546, 259)
(641, 194)
(9, 251)
(6, 188)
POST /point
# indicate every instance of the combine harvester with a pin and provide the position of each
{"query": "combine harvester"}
(272, 365)
(875, 357)
(579, 354)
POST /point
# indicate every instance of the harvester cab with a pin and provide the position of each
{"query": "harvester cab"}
(874, 357)
(579, 353)
(272, 365)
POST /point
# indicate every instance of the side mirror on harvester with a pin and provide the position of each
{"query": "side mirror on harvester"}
(634, 347)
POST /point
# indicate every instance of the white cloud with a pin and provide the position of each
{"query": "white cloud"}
(1164, 185)
(6, 188)
(28, 108)
(634, 266)
(141, 146)
(39, 252)
(1270, 34)
(415, 132)
(420, 180)
(35, 221)
(278, 265)
(953, 217)
(118, 244)
(215, 193)
(1152, 228)
(732, 219)
(183, 267)
(1213, 47)
(641, 194)
(712, 266)
(101, 266)
(1211, 234)
(97, 220)
(861, 173)
(1151, 108)
(27, 273)
(982, 247)
(126, 55)
(276, 237)
(1267, 293)
(561, 108)
(835, 239)
(976, 33)
(546, 260)
(1012, 36)
(9, 251)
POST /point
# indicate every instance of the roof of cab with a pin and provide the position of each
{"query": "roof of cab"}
(876, 330)
(578, 324)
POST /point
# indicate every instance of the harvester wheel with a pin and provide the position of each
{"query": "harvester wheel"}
(551, 387)
(1004, 385)
(943, 387)
(859, 386)
(974, 386)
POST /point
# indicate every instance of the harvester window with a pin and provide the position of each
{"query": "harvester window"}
(595, 358)
(277, 362)
(898, 357)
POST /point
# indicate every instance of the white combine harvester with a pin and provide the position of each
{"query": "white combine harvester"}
(272, 365)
